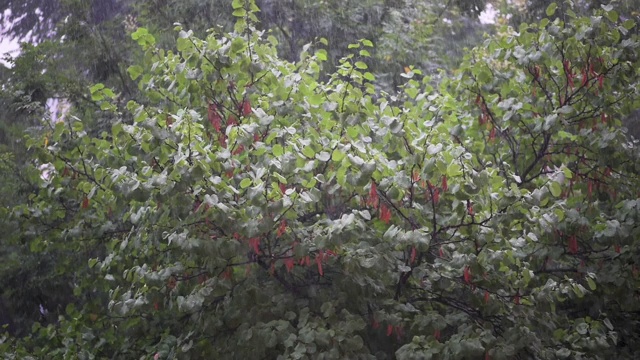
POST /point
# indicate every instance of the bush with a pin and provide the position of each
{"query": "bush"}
(249, 210)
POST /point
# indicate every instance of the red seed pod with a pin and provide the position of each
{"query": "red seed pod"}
(238, 150)
(373, 200)
(289, 263)
(319, 259)
(414, 254)
(600, 81)
(415, 177)
(573, 244)
(482, 119)
(492, 134)
(255, 245)
(232, 120)
(436, 196)
(222, 140)
(385, 214)
(585, 77)
(399, 331)
(467, 274)
(214, 117)
(246, 108)
(282, 228)
(570, 81)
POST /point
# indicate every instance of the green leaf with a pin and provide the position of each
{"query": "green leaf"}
(321, 54)
(555, 189)
(308, 152)
(454, 169)
(629, 24)
(578, 290)
(239, 12)
(411, 91)
(563, 353)
(608, 324)
(140, 32)
(97, 87)
(277, 150)
(550, 121)
(135, 71)
(592, 284)
(551, 9)
(281, 179)
(606, 7)
(315, 99)
(567, 109)
(323, 156)
(582, 328)
(611, 228)
(245, 183)
(366, 42)
(433, 149)
(337, 155)
(612, 16)
(361, 65)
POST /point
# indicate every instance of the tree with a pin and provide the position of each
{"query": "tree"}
(37, 20)
(528, 10)
(75, 44)
(404, 32)
(247, 208)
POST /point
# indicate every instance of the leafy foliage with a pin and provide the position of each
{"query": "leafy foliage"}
(80, 43)
(247, 208)
(422, 34)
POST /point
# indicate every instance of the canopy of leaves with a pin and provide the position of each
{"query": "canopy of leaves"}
(246, 207)
(533, 10)
(78, 43)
